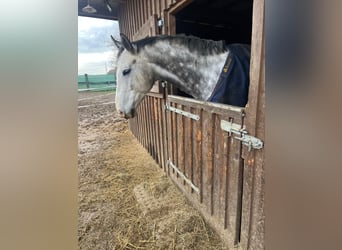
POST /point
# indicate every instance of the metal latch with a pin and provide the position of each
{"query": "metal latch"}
(182, 112)
(250, 141)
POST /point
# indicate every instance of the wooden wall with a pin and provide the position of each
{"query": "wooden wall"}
(202, 159)
(134, 15)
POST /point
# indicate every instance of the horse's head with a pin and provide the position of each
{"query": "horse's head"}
(133, 75)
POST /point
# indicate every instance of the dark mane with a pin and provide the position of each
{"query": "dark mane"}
(195, 44)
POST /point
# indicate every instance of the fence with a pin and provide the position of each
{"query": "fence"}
(96, 82)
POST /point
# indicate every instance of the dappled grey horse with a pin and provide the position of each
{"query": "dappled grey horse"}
(205, 69)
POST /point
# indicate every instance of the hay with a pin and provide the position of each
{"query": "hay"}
(112, 167)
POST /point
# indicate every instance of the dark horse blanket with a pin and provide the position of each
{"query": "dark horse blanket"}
(233, 84)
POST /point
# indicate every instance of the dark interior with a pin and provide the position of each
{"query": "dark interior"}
(229, 20)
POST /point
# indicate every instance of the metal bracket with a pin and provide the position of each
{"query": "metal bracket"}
(250, 141)
(182, 112)
(160, 22)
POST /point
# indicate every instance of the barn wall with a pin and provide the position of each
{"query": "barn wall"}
(144, 11)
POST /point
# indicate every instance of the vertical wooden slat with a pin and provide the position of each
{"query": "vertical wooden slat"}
(180, 139)
(138, 135)
(157, 129)
(148, 8)
(150, 125)
(141, 123)
(165, 135)
(218, 162)
(127, 28)
(252, 228)
(154, 11)
(152, 130)
(146, 123)
(163, 142)
(188, 145)
(233, 188)
(207, 151)
(131, 21)
(137, 16)
(134, 17)
(162, 6)
(197, 150)
(141, 13)
(148, 141)
(169, 138)
(224, 180)
(175, 137)
(158, 7)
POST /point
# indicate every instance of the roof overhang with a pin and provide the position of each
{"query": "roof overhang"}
(102, 8)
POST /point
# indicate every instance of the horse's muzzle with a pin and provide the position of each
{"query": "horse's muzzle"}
(129, 115)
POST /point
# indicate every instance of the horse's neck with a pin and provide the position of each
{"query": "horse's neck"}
(194, 74)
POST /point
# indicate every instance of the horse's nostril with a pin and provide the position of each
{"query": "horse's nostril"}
(121, 114)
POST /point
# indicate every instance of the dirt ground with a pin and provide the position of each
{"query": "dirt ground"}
(125, 200)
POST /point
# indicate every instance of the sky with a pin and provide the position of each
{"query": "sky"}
(96, 51)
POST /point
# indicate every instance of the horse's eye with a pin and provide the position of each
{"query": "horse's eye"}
(126, 71)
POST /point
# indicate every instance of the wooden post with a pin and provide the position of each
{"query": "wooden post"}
(87, 80)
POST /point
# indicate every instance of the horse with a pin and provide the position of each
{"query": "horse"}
(205, 69)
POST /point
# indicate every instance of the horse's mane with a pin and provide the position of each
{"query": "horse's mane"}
(202, 46)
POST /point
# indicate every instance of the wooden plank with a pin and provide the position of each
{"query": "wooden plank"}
(157, 7)
(148, 9)
(138, 126)
(233, 187)
(174, 136)
(131, 21)
(126, 13)
(135, 17)
(218, 162)
(180, 141)
(225, 178)
(163, 141)
(138, 15)
(147, 121)
(157, 119)
(197, 150)
(144, 123)
(154, 8)
(143, 12)
(207, 151)
(188, 140)
(252, 227)
(150, 126)
(162, 6)
(169, 129)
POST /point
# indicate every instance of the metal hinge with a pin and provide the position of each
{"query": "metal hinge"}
(242, 135)
(182, 112)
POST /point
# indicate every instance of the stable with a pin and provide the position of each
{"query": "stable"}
(213, 152)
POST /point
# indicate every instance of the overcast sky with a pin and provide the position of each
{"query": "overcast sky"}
(95, 47)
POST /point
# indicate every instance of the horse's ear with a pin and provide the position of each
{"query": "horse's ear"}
(117, 43)
(126, 43)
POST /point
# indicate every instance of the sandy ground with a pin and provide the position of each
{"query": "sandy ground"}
(125, 200)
